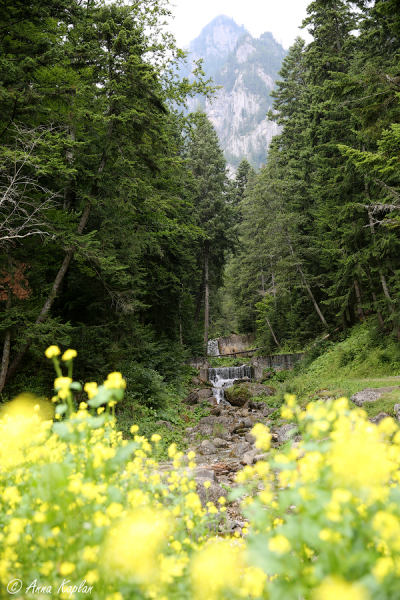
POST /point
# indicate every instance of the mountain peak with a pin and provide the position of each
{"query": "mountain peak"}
(215, 41)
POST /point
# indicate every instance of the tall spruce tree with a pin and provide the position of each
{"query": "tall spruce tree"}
(212, 211)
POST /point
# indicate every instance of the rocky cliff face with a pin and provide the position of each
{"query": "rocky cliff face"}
(246, 68)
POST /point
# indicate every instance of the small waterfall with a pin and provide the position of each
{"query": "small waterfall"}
(223, 377)
(212, 348)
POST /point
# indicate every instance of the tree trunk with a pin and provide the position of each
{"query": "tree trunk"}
(266, 318)
(361, 314)
(199, 299)
(64, 266)
(273, 287)
(313, 300)
(374, 298)
(206, 298)
(6, 349)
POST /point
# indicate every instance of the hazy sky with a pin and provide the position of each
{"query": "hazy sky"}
(281, 17)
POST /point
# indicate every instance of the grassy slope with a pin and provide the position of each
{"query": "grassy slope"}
(365, 358)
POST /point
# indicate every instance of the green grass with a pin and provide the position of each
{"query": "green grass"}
(366, 358)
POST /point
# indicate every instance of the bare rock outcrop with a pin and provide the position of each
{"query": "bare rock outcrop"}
(371, 394)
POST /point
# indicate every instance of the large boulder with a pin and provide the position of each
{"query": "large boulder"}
(371, 394)
(219, 443)
(207, 447)
(240, 449)
(203, 473)
(204, 393)
(238, 395)
(249, 438)
(378, 418)
(192, 399)
(248, 457)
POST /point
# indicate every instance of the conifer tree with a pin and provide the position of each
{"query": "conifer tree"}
(211, 209)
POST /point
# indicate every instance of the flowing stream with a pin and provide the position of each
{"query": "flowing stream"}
(223, 377)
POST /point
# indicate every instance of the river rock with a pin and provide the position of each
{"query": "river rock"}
(249, 438)
(258, 457)
(396, 410)
(204, 393)
(378, 418)
(214, 425)
(285, 433)
(212, 494)
(248, 457)
(202, 473)
(192, 399)
(166, 424)
(207, 447)
(240, 449)
(371, 394)
(219, 443)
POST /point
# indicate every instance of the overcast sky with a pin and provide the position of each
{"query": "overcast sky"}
(281, 17)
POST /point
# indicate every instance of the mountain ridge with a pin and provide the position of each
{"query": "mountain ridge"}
(246, 68)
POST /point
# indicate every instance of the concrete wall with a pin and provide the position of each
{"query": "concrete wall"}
(279, 362)
(235, 343)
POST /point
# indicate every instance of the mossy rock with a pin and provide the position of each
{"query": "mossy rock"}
(238, 395)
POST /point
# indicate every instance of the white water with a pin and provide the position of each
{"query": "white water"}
(212, 348)
(223, 377)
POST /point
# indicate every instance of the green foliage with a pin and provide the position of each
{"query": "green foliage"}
(100, 211)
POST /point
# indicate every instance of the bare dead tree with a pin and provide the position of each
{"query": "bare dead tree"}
(23, 198)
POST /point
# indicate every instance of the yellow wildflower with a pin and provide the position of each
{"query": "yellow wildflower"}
(66, 568)
(279, 544)
(115, 381)
(69, 354)
(91, 389)
(334, 588)
(221, 564)
(52, 351)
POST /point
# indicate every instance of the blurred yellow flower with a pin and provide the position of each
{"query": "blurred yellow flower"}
(333, 588)
(155, 437)
(52, 351)
(115, 381)
(132, 546)
(66, 568)
(62, 383)
(214, 569)
(279, 544)
(69, 354)
(91, 389)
